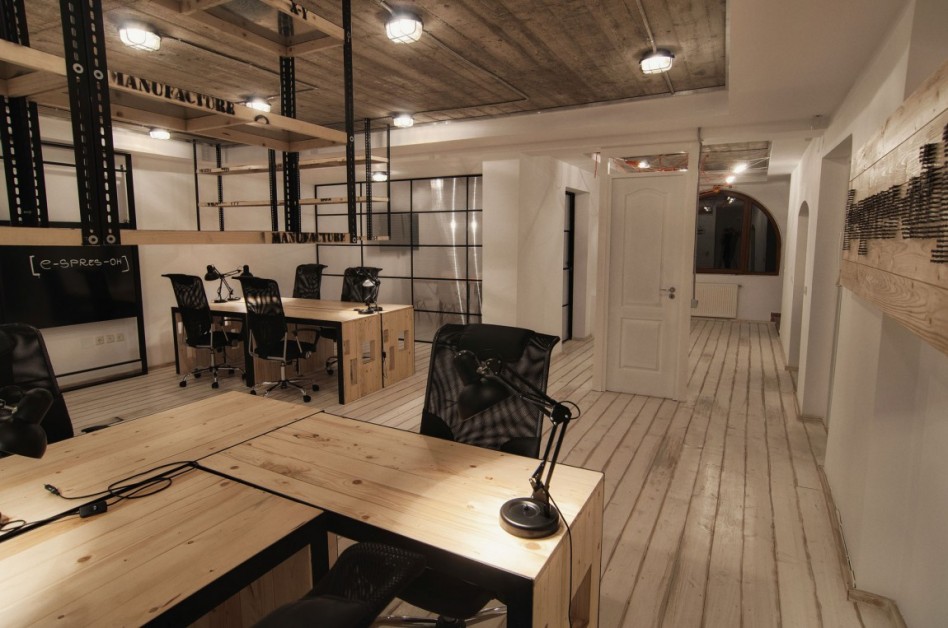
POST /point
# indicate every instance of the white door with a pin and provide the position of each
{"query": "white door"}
(646, 300)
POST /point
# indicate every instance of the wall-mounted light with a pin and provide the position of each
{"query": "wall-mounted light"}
(258, 104)
(140, 38)
(379, 176)
(657, 62)
(403, 120)
(404, 28)
(159, 134)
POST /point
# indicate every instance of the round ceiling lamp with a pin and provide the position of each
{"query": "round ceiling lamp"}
(139, 38)
(258, 104)
(657, 62)
(403, 120)
(159, 134)
(404, 28)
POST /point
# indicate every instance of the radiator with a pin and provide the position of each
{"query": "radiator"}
(716, 300)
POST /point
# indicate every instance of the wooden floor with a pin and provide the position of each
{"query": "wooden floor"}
(714, 514)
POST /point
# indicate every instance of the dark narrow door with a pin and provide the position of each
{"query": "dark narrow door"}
(568, 250)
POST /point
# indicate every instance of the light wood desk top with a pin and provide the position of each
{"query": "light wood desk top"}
(128, 566)
(314, 310)
(89, 462)
(446, 495)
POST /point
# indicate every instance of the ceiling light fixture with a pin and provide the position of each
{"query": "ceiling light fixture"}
(259, 104)
(730, 179)
(403, 120)
(643, 164)
(159, 134)
(404, 28)
(657, 62)
(140, 38)
(739, 167)
(379, 176)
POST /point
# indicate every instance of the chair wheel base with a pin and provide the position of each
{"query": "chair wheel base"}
(307, 398)
(215, 385)
(253, 392)
(197, 375)
(182, 384)
(315, 387)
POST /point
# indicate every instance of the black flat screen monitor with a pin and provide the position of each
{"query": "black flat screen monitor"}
(52, 286)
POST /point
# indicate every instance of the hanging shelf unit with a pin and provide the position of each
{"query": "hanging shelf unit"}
(42, 77)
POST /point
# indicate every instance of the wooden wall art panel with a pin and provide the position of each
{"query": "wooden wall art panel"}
(895, 243)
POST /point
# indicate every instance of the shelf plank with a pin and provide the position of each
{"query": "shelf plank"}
(305, 164)
(303, 201)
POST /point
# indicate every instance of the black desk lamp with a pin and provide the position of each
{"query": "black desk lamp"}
(370, 288)
(487, 383)
(20, 417)
(213, 274)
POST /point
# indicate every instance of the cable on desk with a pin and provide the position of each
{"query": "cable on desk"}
(120, 489)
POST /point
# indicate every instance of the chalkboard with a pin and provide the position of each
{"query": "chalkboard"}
(52, 286)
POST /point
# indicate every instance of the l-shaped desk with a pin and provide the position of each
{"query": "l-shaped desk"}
(373, 350)
(271, 477)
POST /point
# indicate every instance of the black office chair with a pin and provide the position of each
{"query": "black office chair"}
(354, 290)
(269, 337)
(24, 365)
(365, 578)
(309, 278)
(511, 425)
(199, 329)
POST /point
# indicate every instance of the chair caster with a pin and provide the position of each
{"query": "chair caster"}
(307, 398)
(315, 387)
(329, 371)
(253, 392)
(215, 385)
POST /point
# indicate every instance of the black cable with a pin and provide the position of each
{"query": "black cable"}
(119, 486)
(120, 489)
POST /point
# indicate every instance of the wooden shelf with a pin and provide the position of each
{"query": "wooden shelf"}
(41, 236)
(305, 164)
(303, 201)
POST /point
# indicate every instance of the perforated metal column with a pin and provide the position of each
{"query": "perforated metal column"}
(87, 74)
(368, 179)
(19, 132)
(350, 119)
(291, 161)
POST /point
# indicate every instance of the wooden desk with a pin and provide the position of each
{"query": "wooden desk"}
(167, 558)
(90, 462)
(441, 497)
(363, 341)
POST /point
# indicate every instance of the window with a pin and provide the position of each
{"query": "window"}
(735, 235)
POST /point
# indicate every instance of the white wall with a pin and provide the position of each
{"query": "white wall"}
(524, 201)
(887, 419)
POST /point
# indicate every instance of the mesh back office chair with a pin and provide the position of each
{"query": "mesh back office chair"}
(512, 425)
(269, 336)
(364, 579)
(309, 278)
(354, 292)
(24, 364)
(199, 328)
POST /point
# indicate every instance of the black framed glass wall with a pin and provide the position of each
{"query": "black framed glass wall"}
(735, 234)
(432, 257)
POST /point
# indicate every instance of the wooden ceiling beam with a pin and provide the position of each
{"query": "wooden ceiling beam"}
(313, 45)
(191, 6)
(306, 16)
(31, 59)
(33, 83)
(249, 139)
(216, 23)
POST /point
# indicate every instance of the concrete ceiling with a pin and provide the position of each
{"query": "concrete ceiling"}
(543, 77)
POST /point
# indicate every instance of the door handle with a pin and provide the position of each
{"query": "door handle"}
(670, 291)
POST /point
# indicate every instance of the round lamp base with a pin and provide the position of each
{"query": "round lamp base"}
(529, 518)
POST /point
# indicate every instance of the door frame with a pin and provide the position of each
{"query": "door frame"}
(604, 261)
